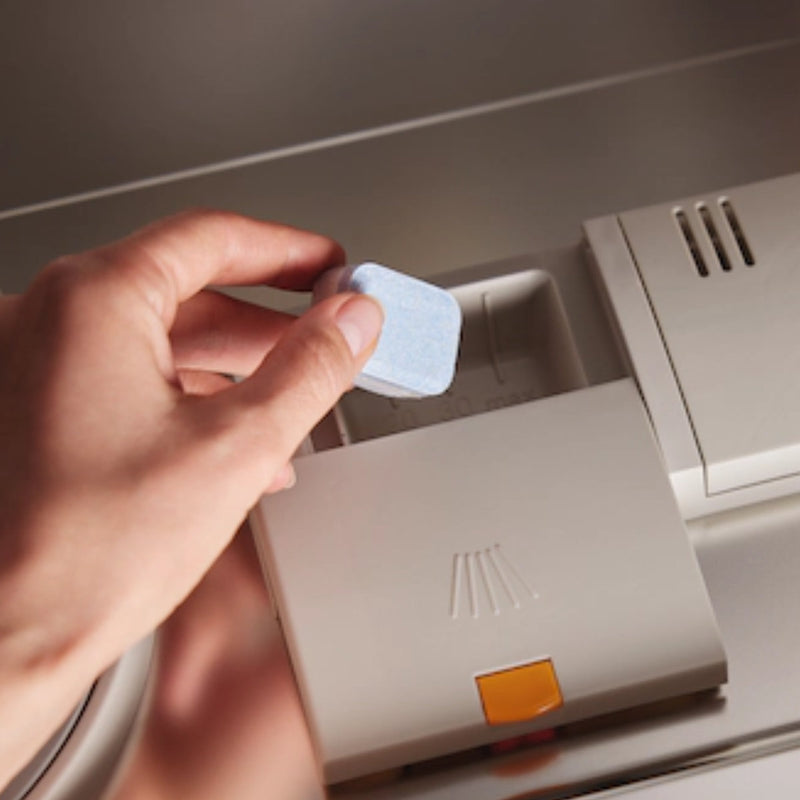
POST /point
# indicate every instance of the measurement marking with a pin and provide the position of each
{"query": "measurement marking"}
(491, 336)
(487, 582)
(472, 585)
(455, 593)
(488, 566)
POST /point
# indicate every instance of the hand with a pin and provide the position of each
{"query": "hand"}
(224, 719)
(119, 488)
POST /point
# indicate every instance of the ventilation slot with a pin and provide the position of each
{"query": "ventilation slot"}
(691, 243)
(713, 234)
(738, 233)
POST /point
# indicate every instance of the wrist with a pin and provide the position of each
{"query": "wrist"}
(36, 697)
(45, 667)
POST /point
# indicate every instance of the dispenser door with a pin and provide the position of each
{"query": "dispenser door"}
(469, 581)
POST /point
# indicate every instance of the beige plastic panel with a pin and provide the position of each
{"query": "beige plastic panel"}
(407, 565)
(732, 334)
(640, 340)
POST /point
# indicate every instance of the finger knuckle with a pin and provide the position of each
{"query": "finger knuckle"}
(70, 294)
(207, 216)
(59, 285)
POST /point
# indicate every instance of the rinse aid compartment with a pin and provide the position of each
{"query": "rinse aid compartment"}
(516, 346)
(505, 558)
(704, 291)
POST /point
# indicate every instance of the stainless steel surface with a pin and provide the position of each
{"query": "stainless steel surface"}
(487, 186)
(774, 774)
(95, 93)
(23, 782)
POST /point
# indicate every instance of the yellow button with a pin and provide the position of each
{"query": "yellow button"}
(519, 693)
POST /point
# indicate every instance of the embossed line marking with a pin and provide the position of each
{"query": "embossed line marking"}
(486, 580)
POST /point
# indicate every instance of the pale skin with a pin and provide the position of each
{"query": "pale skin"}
(128, 462)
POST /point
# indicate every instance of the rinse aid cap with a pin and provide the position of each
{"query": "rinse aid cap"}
(418, 346)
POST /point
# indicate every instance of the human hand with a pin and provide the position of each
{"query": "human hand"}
(223, 717)
(118, 487)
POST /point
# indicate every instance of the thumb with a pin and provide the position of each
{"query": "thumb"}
(301, 378)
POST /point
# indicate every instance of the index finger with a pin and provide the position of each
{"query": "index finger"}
(174, 258)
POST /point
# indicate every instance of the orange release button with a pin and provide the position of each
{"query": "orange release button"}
(520, 693)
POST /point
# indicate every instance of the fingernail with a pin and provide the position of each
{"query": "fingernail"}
(360, 320)
(285, 479)
(290, 479)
